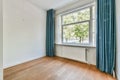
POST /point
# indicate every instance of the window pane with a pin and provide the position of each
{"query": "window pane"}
(77, 33)
(76, 16)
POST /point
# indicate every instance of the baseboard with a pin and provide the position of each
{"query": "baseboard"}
(15, 64)
(76, 60)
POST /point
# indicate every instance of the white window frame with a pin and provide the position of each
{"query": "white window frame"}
(90, 26)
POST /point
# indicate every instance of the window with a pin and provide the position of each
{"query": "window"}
(79, 26)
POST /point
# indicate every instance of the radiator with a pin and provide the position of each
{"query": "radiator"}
(75, 53)
(87, 55)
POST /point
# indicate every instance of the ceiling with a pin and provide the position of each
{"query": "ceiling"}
(51, 4)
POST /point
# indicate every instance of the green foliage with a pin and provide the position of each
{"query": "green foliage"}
(79, 31)
(77, 16)
(67, 31)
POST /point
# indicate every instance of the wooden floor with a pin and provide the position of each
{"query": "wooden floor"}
(54, 69)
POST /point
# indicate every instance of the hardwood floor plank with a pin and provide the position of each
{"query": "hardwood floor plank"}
(54, 68)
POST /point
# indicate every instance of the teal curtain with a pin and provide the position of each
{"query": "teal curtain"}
(50, 25)
(106, 35)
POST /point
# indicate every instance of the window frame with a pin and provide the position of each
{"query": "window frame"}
(89, 21)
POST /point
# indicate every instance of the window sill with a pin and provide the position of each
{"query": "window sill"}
(77, 45)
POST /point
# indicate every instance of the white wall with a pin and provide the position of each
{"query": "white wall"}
(118, 38)
(23, 33)
(1, 40)
(77, 53)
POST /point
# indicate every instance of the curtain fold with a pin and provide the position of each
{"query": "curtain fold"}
(50, 25)
(106, 35)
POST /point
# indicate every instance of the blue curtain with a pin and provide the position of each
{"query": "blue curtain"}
(50, 25)
(106, 35)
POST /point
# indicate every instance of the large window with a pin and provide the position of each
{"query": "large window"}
(79, 26)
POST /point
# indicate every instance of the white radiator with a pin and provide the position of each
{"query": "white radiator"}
(75, 53)
(87, 55)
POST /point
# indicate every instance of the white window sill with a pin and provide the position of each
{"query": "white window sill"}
(77, 45)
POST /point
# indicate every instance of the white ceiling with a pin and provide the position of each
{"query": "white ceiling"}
(49, 4)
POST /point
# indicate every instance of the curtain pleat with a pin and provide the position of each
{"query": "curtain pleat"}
(106, 35)
(50, 25)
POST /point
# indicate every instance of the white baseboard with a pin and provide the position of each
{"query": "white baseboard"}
(20, 62)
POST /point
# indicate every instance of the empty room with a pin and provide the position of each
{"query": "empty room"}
(59, 40)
